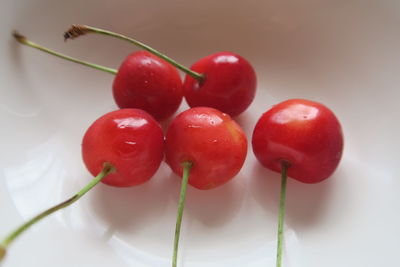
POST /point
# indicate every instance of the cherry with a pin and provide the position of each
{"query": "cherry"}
(130, 140)
(142, 81)
(207, 148)
(123, 148)
(229, 83)
(224, 80)
(148, 82)
(301, 139)
(303, 133)
(214, 144)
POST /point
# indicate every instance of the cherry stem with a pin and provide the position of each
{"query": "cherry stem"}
(108, 168)
(284, 167)
(185, 178)
(78, 30)
(23, 40)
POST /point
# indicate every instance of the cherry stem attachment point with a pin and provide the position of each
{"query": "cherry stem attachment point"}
(284, 167)
(185, 178)
(23, 40)
(78, 30)
(107, 169)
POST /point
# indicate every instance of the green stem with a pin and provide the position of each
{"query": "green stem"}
(23, 40)
(77, 30)
(284, 167)
(14, 234)
(185, 177)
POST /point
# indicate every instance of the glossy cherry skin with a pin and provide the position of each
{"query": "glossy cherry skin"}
(129, 139)
(147, 82)
(229, 83)
(211, 141)
(305, 134)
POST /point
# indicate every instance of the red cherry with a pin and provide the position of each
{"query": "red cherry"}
(303, 133)
(128, 139)
(121, 148)
(207, 148)
(143, 81)
(301, 139)
(209, 139)
(147, 82)
(229, 83)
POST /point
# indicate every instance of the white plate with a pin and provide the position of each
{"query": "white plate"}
(344, 54)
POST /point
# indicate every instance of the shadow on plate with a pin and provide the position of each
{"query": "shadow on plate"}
(130, 209)
(213, 207)
(305, 203)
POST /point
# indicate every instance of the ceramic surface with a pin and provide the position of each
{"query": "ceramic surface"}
(341, 53)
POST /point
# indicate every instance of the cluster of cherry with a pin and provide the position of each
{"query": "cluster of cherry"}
(299, 138)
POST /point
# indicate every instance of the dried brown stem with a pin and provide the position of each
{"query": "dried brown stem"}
(75, 31)
(19, 37)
